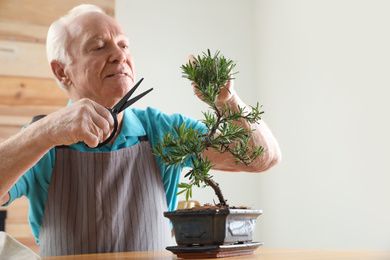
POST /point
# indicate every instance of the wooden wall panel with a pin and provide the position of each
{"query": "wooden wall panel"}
(24, 59)
(12, 31)
(6, 131)
(44, 12)
(23, 112)
(27, 87)
(31, 92)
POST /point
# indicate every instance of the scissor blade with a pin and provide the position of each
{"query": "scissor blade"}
(119, 106)
(135, 99)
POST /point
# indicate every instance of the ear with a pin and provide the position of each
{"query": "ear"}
(58, 69)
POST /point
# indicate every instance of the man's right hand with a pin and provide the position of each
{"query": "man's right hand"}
(84, 120)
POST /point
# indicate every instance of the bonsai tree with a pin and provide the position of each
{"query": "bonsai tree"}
(224, 133)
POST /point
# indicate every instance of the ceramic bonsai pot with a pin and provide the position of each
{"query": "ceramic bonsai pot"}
(213, 226)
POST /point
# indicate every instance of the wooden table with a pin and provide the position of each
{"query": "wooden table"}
(259, 254)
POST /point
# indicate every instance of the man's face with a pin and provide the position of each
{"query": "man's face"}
(102, 66)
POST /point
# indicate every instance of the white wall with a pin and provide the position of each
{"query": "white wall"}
(324, 69)
(320, 68)
(163, 33)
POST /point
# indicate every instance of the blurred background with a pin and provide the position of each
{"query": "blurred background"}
(320, 68)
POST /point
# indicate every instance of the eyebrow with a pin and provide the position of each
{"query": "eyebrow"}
(93, 39)
(97, 38)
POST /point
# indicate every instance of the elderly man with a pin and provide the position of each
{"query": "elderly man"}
(108, 199)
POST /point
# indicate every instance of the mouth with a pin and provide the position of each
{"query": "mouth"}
(117, 75)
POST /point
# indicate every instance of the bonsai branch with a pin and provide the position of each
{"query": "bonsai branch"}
(226, 127)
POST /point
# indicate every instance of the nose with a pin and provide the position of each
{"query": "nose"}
(118, 55)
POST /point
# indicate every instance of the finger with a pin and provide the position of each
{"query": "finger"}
(102, 127)
(97, 135)
(90, 134)
(191, 59)
(90, 139)
(104, 113)
(96, 124)
(104, 120)
(98, 132)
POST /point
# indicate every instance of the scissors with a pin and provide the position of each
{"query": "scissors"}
(120, 106)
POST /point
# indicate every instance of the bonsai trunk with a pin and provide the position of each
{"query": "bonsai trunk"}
(218, 192)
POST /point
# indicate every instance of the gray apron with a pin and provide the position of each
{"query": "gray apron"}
(101, 202)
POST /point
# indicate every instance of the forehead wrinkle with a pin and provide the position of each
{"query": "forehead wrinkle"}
(93, 39)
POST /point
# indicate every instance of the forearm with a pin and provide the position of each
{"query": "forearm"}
(261, 136)
(18, 154)
(83, 121)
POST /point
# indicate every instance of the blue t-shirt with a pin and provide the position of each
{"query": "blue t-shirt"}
(34, 184)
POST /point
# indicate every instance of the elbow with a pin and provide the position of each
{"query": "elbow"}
(274, 160)
(266, 160)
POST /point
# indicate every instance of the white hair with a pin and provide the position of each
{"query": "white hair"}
(57, 34)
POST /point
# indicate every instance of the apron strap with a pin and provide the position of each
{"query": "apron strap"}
(36, 118)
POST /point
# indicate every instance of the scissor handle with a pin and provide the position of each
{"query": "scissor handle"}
(120, 106)
(113, 131)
